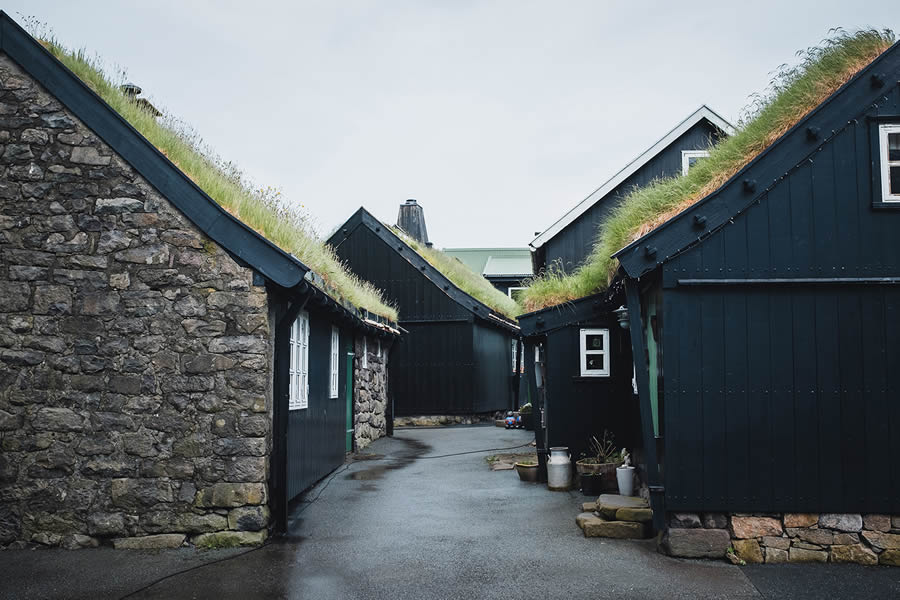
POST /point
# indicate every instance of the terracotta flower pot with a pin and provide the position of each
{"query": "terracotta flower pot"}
(527, 473)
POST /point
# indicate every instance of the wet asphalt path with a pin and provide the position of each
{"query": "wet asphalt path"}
(406, 525)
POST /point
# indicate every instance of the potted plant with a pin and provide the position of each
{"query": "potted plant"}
(601, 463)
(527, 470)
(527, 417)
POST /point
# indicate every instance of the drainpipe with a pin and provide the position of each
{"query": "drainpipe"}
(517, 382)
(642, 375)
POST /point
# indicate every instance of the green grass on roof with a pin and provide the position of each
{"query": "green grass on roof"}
(464, 278)
(794, 92)
(284, 224)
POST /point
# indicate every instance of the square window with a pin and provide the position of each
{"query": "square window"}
(689, 158)
(594, 353)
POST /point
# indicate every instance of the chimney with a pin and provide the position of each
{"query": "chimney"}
(411, 219)
(133, 91)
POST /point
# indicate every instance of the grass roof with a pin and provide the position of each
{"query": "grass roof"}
(264, 210)
(463, 277)
(793, 92)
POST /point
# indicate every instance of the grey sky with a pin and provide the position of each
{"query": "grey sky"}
(497, 116)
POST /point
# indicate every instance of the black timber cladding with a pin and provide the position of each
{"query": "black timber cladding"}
(456, 358)
(574, 243)
(780, 325)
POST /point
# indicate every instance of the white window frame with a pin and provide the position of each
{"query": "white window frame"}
(510, 290)
(298, 397)
(379, 348)
(687, 155)
(365, 353)
(514, 344)
(883, 132)
(335, 361)
(583, 354)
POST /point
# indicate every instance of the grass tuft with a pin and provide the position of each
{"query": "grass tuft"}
(463, 277)
(285, 224)
(793, 92)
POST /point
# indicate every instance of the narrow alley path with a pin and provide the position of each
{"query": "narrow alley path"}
(404, 524)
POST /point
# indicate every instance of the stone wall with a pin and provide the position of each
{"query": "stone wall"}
(780, 538)
(135, 354)
(370, 388)
(441, 420)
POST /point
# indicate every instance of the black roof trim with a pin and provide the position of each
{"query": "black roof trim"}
(753, 181)
(577, 311)
(363, 218)
(239, 240)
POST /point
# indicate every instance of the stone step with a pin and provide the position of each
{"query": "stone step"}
(588, 506)
(595, 526)
(624, 508)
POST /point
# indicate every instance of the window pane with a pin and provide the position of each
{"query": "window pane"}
(893, 146)
(596, 362)
(594, 342)
(895, 181)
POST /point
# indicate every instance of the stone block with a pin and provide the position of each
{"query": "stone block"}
(246, 468)
(781, 543)
(584, 516)
(117, 206)
(748, 550)
(877, 522)
(248, 518)
(696, 543)
(882, 541)
(150, 542)
(623, 530)
(754, 527)
(637, 515)
(822, 537)
(800, 519)
(14, 297)
(238, 343)
(57, 419)
(841, 522)
(106, 524)
(856, 553)
(805, 545)
(230, 495)
(895, 522)
(86, 155)
(845, 539)
(684, 521)
(776, 555)
(52, 300)
(205, 523)
(714, 520)
(889, 557)
(802, 555)
(229, 539)
(140, 493)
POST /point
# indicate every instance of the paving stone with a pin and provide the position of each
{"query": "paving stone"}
(600, 527)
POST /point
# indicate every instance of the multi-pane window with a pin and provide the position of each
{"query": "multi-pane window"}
(365, 354)
(335, 344)
(889, 144)
(299, 368)
(689, 158)
(594, 352)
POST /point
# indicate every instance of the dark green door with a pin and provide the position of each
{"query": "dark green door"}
(349, 395)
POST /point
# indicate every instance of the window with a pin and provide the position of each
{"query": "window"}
(379, 349)
(365, 354)
(594, 352)
(689, 158)
(335, 344)
(889, 145)
(514, 292)
(299, 369)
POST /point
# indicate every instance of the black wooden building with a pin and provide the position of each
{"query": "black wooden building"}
(456, 357)
(579, 392)
(767, 317)
(569, 241)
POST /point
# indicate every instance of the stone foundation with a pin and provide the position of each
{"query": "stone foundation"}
(440, 420)
(790, 537)
(135, 353)
(370, 391)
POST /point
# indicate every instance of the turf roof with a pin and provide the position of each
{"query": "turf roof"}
(263, 210)
(793, 93)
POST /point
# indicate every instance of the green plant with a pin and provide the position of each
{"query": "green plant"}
(603, 450)
(525, 409)
(793, 92)
(284, 223)
(527, 463)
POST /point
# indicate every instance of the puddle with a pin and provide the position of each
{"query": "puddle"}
(414, 449)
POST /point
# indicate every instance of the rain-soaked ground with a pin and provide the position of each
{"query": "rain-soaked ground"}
(409, 521)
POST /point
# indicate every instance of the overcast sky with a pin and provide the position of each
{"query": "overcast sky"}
(498, 116)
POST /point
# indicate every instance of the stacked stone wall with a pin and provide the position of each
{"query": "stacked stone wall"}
(370, 391)
(135, 354)
(791, 537)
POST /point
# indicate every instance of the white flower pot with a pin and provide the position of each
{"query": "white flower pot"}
(625, 477)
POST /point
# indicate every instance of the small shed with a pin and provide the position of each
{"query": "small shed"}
(765, 317)
(569, 241)
(457, 355)
(506, 268)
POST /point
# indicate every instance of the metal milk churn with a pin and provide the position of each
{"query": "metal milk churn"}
(559, 469)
